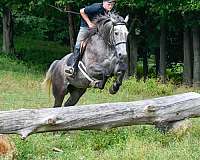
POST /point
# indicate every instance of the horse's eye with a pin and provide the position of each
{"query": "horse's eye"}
(116, 33)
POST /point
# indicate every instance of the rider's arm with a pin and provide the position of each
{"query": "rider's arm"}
(86, 18)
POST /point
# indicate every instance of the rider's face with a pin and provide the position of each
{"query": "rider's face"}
(108, 5)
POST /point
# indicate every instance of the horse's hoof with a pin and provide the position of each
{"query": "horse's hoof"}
(111, 91)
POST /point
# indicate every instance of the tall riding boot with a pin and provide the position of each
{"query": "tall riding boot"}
(76, 56)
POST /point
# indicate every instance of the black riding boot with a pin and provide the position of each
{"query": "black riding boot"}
(76, 56)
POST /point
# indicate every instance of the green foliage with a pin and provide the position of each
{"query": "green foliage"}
(39, 53)
(37, 27)
(175, 73)
(20, 88)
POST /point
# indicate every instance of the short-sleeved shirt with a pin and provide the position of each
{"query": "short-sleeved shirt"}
(92, 11)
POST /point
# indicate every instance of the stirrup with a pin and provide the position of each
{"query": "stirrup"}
(69, 71)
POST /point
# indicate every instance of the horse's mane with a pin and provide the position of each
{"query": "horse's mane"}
(112, 15)
(102, 20)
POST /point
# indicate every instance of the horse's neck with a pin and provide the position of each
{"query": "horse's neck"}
(98, 48)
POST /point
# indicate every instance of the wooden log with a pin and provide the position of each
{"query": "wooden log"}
(155, 111)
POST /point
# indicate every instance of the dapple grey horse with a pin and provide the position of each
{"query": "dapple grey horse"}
(104, 56)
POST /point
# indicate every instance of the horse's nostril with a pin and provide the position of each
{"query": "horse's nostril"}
(120, 54)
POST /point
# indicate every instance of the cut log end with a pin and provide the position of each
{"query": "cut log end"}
(7, 148)
(178, 127)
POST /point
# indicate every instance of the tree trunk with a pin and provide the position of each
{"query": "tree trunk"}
(157, 111)
(145, 64)
(71, 28)
(196, 50)
(133, 55)
(187, 73)
(163, 52)
(8, 45)
(157, 60)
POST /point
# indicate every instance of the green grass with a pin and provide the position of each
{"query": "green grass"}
(20, 88)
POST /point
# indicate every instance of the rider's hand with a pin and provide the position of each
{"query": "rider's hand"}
(91, 25)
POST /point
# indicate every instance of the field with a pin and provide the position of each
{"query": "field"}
(20, 86)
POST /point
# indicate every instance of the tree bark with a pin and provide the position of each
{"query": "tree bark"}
(145, 64)
(71, 28)
(163, 52)
(157, 60)
(163, 110)
(196, 50)
(8, 44)
(133, 54)
(187, 73)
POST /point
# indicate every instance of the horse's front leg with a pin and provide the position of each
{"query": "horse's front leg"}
(101, 83)
(99, 73)
(120, 75)
(115, 87)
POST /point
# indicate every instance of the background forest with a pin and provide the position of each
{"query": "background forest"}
(163, 40)
(163, 59)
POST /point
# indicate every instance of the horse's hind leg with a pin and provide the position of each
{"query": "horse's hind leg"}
(75, 95)
(59, 94)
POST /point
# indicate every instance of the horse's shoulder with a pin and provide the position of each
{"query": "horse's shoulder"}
(66, 56)
(67, 59)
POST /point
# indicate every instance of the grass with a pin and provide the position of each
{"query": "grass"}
(20, 88)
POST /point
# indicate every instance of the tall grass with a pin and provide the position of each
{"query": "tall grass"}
(20, 88)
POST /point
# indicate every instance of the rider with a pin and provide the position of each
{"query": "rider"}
(87, 15)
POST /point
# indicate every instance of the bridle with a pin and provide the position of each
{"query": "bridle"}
(122, 42)
(112, 42)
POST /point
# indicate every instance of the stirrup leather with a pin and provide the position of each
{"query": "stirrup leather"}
(83, 70)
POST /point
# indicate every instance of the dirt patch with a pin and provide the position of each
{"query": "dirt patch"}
(7, 148)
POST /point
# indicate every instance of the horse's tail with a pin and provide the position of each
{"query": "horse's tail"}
(47, 83)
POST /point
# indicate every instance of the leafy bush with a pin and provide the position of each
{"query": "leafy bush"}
(39, 53)
(42, 28)
(175, 73)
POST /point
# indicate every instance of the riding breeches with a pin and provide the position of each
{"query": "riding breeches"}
(81, 36)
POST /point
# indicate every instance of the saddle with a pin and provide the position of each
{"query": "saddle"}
(81, 66)
(82, 50)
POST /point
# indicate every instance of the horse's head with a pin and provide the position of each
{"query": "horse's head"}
(120, 33)
(113, 29)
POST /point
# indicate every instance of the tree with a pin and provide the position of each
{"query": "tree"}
(163, 52)
(71, 28)
(196, 49)
(8, 45)
(7, 7)
(187, 76)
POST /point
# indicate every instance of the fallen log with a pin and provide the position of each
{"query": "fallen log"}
(157, 111)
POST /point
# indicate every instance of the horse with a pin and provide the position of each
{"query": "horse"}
(104, 56)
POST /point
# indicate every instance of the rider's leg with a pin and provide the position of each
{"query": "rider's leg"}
(76, 55)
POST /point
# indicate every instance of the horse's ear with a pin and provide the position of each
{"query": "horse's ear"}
(113, 20)
(126, 19)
